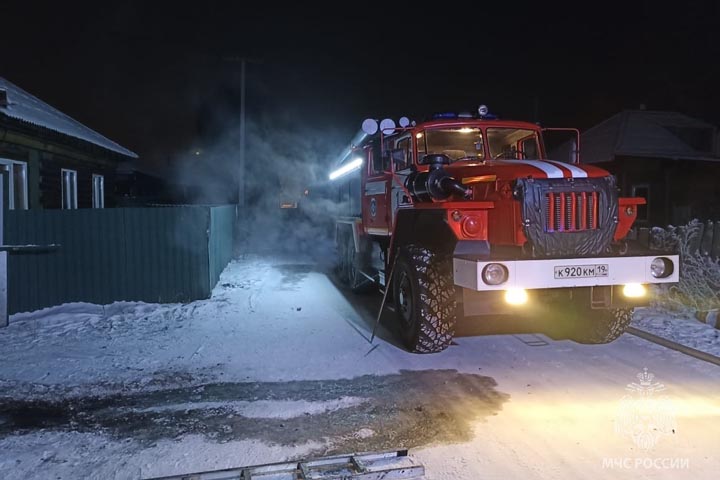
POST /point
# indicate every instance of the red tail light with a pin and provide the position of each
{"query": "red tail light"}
(472, 226)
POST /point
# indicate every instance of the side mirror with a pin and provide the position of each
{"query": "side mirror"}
(573, 145)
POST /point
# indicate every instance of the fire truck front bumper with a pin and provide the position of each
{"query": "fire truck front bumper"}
(504, 286)
(493, 275)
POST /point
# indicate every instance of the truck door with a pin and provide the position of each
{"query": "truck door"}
(376, 190)
(402, 159)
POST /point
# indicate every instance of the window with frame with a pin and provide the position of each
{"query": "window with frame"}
(529, 147)
(512, 143)
(98, 191)
(457, 143)
(421, 145)
(401, 154)
(17, 183)
(379, 163)
(68, 180)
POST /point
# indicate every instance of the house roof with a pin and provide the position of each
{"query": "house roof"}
(29, 109)
(651, 134)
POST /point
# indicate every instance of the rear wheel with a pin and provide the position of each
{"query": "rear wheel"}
(424, 296)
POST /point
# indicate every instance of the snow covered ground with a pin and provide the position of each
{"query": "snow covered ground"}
(682, 328)
(277, 365)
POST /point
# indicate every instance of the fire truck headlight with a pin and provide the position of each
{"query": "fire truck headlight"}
(634, 290)
(370, 126)
(661, 267)
(494, 274)
(516, 296)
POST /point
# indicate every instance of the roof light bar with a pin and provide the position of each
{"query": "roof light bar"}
(352, 165)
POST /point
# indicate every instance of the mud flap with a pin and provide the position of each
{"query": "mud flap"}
(601, 297)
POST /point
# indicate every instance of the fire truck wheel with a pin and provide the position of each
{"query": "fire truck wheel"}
(424, 296)
(602, 326)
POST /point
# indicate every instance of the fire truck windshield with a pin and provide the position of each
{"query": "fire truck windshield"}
(457, 143)
(512, 143)
(468, 143)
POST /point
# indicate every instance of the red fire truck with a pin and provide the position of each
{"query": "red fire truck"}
(464, 216)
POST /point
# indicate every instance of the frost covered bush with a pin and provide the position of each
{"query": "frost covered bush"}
(699, 286)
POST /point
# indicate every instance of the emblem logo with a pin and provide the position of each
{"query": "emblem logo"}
(373, 207)
(644, 414)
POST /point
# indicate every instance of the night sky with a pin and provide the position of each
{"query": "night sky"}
(157, 77)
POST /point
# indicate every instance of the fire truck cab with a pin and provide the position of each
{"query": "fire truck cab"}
(464, 215)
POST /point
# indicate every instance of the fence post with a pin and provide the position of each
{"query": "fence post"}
(4, 320)
(707, 238)
(715, 251)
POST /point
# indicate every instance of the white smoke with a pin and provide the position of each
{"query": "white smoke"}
(283, 159)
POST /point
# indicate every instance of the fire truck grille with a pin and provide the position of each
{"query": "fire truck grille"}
(571, 211)
(575, 216)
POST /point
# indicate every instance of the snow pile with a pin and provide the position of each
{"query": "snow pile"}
(276, 308)
(678, 306)
(66, 455)
(699, 286)
(678, 327)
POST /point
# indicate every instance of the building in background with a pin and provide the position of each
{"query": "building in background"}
(140, 186)
(49, 160)
(670, 159)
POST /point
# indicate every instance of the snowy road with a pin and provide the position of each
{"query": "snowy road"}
(277, 365)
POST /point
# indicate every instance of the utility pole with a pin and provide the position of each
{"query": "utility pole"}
(243, 61)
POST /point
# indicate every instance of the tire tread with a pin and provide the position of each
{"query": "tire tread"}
(436, 296)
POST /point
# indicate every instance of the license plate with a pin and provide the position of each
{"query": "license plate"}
(581, 271)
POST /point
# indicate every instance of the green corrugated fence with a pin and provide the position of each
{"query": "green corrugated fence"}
(220, 244)
(169, 254)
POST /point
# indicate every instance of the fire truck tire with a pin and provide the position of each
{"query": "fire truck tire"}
(424, 297)
(602, 326)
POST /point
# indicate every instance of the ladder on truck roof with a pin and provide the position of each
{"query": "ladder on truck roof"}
(394, 465)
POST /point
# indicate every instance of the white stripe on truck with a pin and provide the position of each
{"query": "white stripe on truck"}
(576, 172)
(550, 170)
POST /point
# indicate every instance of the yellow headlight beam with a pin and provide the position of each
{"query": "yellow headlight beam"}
(634, 290)
(516, 296)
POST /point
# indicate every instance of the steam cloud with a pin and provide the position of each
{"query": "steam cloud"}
(282, 160)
